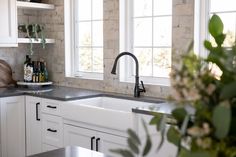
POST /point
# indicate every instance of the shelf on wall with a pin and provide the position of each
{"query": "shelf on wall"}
(27, 40)
(36, 6)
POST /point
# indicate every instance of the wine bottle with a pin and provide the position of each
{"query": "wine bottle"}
(45, 72)
(29, 71)
(25, 64)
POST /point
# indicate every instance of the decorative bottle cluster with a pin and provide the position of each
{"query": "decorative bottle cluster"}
(35, 71)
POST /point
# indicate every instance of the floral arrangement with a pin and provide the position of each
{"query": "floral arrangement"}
(209, 86)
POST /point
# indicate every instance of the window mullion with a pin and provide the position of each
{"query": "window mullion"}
(152, 35)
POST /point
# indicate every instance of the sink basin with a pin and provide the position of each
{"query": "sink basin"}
(107, 112)
(113, 103)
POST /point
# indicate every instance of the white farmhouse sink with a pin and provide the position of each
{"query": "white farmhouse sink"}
(107, 112)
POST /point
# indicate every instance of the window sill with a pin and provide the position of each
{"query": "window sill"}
(98, 77)
(157, 81)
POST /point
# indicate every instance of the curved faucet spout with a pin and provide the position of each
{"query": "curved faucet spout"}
(137, 89)
(122, 54)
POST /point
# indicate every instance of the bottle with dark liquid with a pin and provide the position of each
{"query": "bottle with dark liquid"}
(45, 72)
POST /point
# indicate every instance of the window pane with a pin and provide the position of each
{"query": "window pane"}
(143, 32)
(97, 9)
(162, 7)
(98, 60)
(162, 31)
(229, 20)
(97, 33)
(144, 56)
(85, 60)
(142, 8)
(84, 34)
(223, 5)
(161, 62)
(84, 9)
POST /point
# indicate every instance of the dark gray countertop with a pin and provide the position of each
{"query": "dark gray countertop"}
(68, 94)
(71, 151)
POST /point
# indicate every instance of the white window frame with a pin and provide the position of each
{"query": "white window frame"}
(201, 18)
(71, 38)
(127, 67)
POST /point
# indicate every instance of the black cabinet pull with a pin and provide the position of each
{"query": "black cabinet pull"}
(51, 130)
(97, 140)
(53, 107)
(92, 138)
(37, 111)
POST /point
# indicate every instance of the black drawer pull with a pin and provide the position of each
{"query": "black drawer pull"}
(92, 138)
(53, 107)
(37, 111)
(97, 140)
(51, 130)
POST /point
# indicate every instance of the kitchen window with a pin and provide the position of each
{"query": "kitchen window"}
(84, 19)
(204, 9)
(146, 31)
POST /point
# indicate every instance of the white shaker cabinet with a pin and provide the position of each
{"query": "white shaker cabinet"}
(33, 125)
(12, 126)
(92, 139)
(8, 18)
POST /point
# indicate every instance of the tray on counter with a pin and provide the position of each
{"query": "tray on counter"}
(34, 84)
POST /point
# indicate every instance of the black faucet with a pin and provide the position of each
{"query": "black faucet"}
(137, 89)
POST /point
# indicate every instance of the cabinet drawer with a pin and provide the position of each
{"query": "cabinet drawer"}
(51, 107)
(52, 130)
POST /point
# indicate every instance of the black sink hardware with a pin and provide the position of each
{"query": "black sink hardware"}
(92, 138)
(37, 111)
(97, 140)
(137, 89)
(51, 130)
(52, 107)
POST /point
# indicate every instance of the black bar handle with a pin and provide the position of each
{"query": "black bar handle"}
(37, 111)
(53, 107)
(51, 130)
(92, 138)
(97, 140)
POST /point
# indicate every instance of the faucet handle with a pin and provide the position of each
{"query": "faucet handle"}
(143, 88)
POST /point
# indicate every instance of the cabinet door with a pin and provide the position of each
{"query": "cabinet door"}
(13, 127)
(108, 142)
(33, 125)
(8, 31)
(76, 136)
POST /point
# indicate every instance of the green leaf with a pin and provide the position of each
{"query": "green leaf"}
(179, 114)
(221, 119)
(215, 26)
(186, 153)
(134, 137)
(148, 144)
(123, 152)
(208, 45)
(133, 146)
(162, 139)
(156, 119)
(228, 91)
(220, 39)
(173, 136)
